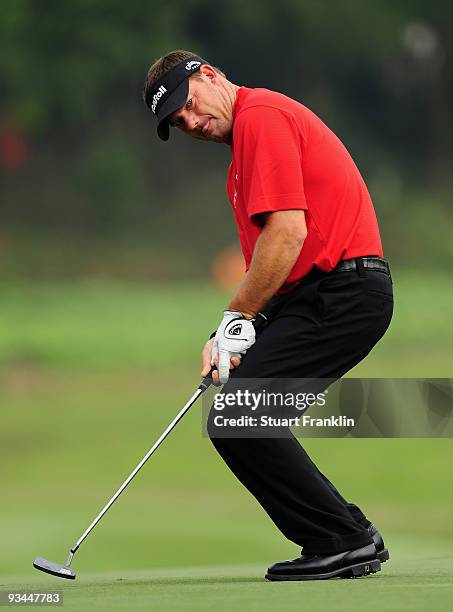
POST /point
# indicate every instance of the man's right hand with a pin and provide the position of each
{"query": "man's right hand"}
(206, 362)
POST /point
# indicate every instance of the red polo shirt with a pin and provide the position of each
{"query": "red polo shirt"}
(285, 157)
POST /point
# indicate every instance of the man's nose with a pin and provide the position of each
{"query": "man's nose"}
(191, 122)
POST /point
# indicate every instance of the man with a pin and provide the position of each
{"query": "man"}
(314, 264)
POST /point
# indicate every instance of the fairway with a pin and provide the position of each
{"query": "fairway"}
(102, 325)
(91, 375)
(408, 584)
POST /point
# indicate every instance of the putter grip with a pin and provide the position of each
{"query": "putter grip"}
(207, 381)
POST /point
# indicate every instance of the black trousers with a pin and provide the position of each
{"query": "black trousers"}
(321, 329)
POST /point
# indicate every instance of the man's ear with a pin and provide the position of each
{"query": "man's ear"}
(208, 71)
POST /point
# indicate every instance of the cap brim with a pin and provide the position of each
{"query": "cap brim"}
(175, 101)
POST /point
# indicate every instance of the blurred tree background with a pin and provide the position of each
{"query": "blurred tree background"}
(87, 189)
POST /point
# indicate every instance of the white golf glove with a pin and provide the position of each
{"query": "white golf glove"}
(234, 336)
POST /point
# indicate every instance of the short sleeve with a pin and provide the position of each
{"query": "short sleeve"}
(268, 157)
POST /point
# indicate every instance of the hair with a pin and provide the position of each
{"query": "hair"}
(166, 63)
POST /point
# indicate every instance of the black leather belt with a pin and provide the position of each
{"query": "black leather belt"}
(346, 265)
(369, 263)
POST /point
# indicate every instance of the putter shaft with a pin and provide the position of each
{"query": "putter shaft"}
(201, 388)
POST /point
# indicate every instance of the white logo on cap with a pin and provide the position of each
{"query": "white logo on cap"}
(192, 65)
(157, 96)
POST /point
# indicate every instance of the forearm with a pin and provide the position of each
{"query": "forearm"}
(274, 256)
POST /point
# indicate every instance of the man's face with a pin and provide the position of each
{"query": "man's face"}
(207, 113)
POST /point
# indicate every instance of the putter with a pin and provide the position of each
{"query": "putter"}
(65, 571)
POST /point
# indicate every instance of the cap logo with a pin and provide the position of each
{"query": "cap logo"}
(157, 96)
(192, 65)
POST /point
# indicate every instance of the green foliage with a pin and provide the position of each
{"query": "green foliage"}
(108, 179)
(63, 61)
(72, 72)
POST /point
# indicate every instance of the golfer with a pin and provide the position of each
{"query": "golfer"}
(314, 270)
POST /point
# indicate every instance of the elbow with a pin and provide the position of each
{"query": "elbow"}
(300, 236)
(289, 226)
(294, 237)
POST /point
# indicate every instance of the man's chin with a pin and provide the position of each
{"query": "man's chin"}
(214, 137)
(210, 138)
(221, 138)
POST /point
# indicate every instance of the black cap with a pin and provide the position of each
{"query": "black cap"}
(170, 92)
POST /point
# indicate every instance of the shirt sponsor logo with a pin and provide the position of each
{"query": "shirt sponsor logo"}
(192, 65)
(157, 96)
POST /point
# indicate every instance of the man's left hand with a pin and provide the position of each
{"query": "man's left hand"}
(235, 335)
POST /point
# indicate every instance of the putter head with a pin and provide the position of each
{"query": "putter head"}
(56, 569)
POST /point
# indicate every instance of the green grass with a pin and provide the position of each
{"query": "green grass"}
(91, 373)
(106, 325)
(413, 581)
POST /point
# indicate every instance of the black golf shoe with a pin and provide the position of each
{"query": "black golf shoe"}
(382, 552)
(349, 564)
